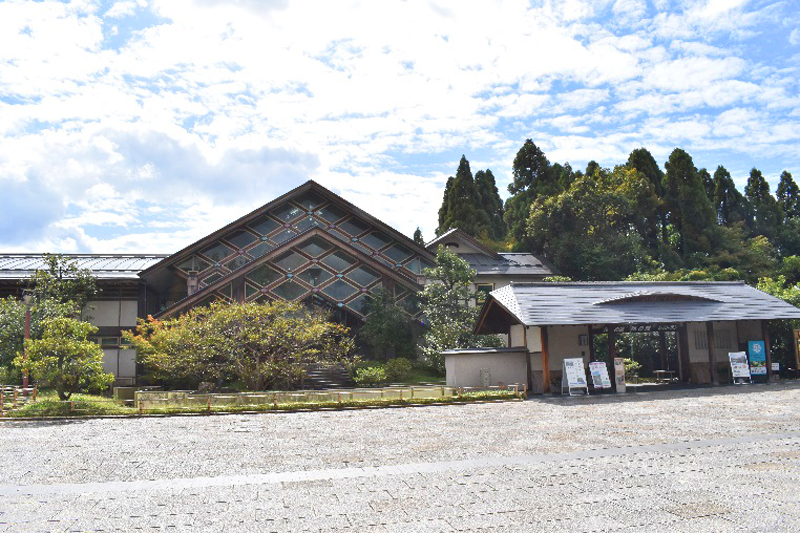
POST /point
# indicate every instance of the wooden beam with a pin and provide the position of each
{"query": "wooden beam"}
(765, 331)
(612, 353)
(545, 361)
(712, 360)
(528, 369)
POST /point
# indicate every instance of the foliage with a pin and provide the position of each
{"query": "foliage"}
(445, 304)
(398, 369)
(766, 216)
(728, 203)
(12, 323)
(631, 367)
(63, 282)
(387, 327)
(78, 405)
(370, 376)
(532, 178)
(788, 195)
(418, 237)
(64, 359)
(461, 206)
(491, 204)
(687, 206)
(262, 345)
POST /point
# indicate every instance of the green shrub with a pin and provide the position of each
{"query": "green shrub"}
(398, 369)
(370, 376)
(631, 367)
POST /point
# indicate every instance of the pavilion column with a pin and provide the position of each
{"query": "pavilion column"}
(662, 348)
(545, 361)
(592, 356)
(684, 369)
(712, 360)
(528, 369)
(765, 331)
(612, 353)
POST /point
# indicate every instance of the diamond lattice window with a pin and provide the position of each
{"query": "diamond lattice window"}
(397, 252)
(339, 261)
(283, 236)
(264, 225)
(306, 223)
(260, 249)
(360, 304)
(237, 262)
(363, 276)
(376, 240)
(217, 252)
(193, 264)
(290, 290)
(315, 246)
(287, 212)
(353, 226)
(339, 290)
(291, 261)
(309, 200)
(240, 239)
(315, 276)
(263, 275)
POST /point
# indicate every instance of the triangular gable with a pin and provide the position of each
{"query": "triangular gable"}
(315, 239)
(460, 237)
(311, 187)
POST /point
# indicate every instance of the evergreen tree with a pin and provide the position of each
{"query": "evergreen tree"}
(446, 201)
(533, 177)
(491, 203)
(708, 182)
(788, 196)
(463, 204)
(687, 206)
(729, 204)
(418, 237)
(766, 216)
(643, 161)
(592, 167)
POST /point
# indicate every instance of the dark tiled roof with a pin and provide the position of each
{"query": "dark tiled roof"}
(509, 264)
(103, 266)
(637, 302)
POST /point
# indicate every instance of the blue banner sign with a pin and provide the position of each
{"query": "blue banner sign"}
(758, 358)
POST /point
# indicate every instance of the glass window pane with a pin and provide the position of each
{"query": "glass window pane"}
(287, 212)
(264, 225)
(315, 246)
(291, 261)
(226, 290)
(208, 280)
(263, 275)
(411, 304)
(315, 276)
(309, 200)
(397, 252)
(250, 290)
(283, 236)
(240, 239)
(339, 290)
(194, 263)
(237, 262)
(360, 304)
(339, 261)
(260, 249)
(306, 223)
(354, 226)
(289, 290)
(363, 276)
(331, 213)
(376, 240)
(217, 252)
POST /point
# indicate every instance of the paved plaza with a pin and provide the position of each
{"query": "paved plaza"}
(715, 460)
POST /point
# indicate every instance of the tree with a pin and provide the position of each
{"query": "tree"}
(728, 203)
(766, 216)
(780, 331)
(12, 323)
(491, 204)
(62, 281)
(445, 304)
(64, 359)
(444, 209)
(590, 230)
(462, 204)
(261, 345)
(387, 327)
(533, 177)
(708, 183)
(642, 160)
(418, 237)
(687, 206)
(788, 196)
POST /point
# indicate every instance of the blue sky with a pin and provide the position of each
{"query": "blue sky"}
(143, 125)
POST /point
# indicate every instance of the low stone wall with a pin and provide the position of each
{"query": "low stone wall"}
(485, 367)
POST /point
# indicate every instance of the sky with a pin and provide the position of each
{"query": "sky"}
(140, 126)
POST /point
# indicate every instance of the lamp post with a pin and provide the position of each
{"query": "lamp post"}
(26, 297)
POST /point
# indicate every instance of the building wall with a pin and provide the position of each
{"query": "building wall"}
(111, 317)
(726, 340)
(464, 368)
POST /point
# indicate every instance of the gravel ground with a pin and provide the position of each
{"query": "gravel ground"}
(722, 459)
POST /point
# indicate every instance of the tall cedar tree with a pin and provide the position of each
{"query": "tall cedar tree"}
(788, 196)
(729, 204)
(445, 207)
(642, 160)
(463, 204)
(418, 237)
(766, 216)
(491, 203)
(688, 208)
(533, 177)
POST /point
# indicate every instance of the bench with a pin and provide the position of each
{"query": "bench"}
(664, 375)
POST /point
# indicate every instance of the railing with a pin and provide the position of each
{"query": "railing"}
(13, 398)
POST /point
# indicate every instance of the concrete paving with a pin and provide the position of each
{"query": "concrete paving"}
(723, 459)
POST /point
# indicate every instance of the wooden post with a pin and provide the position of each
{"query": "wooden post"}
(528, 368)
(684, 369)
(612, 353)
(592, 357)
(712, 360)
(545, 361)
(796, 338)
(765, 331)
(662, 348)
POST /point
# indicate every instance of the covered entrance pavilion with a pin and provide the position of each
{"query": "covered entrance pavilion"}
(548, 322)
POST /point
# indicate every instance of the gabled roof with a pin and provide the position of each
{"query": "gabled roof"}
(103, 266)
(295, 241)
(310, 185)
(578, 303)
(510, 264)
(455, 232)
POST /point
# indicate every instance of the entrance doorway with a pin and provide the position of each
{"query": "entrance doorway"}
(650, 356)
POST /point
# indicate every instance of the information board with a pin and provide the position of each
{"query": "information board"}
(740, 370)
(776, 367)
(758, 358)
(573, 377)
(599, 372)
(619, 373)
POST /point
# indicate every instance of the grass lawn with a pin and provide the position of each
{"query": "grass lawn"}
(48, 404)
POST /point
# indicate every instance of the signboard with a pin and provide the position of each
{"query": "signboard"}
(776, 367)
(573, 377)
(599, 372)
(758, 358)
(739, 368)
(636, 328)
(619, 373)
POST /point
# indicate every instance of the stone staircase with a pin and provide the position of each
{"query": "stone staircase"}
(327, 377)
